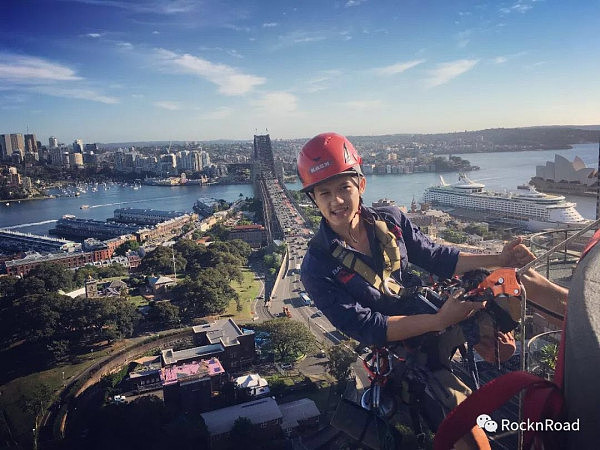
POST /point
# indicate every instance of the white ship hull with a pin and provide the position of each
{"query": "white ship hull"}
(532, 210)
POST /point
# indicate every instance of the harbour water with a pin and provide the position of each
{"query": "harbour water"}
(502, 171)
(39, 216)
(499, 172)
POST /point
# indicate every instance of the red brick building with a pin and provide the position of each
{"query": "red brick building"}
(254, 235)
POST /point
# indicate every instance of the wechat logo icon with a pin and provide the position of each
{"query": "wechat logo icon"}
(484, 421)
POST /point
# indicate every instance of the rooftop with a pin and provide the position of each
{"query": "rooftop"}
(172, 357)
(224, 331)
(294, 412)
(257, 411)
(196, 369)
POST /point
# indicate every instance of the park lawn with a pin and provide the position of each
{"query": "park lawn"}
(13, 392)
(247, 291)
(138, 300)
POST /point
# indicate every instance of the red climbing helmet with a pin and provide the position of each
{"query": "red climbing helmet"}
(325, 156)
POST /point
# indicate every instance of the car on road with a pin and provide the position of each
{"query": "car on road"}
(321, 353)
(119, 399)
(286, 366)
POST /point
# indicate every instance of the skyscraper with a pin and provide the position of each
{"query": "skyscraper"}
(30, 143)
(17, 142)
(78, 146)
(53, 142)
(205, 159)
(5, 146)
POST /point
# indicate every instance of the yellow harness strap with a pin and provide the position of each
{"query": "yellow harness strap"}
(384, 283)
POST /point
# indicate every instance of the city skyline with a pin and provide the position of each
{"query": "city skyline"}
(118, 71)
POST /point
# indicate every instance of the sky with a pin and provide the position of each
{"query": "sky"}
(132, 70)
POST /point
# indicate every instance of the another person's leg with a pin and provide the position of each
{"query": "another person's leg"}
(450, 391)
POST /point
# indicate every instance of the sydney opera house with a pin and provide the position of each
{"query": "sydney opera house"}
(566, 177)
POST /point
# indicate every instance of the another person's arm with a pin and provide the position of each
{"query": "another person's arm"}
(544, 292)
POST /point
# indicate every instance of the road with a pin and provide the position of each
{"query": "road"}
(287, 292)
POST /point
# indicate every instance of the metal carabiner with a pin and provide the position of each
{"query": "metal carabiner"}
(386, 288)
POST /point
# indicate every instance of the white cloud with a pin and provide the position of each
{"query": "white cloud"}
(156, 32)
(323, 81)
(151, 6)
(78, 93)
(125, 45)
(463, 38)
(237, 28)
(300, 37)
(278, 102)
(29, 69)
(229, 80)
(270, 25)
(505, 58)
(40, 76)
(445, 72)
(351, 3)
(397, 68)
(171, 106)
(94, 35)
(520, 6)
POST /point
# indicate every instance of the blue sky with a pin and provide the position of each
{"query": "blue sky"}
(117, 70)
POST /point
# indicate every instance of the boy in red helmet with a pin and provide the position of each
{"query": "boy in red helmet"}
(356, 268)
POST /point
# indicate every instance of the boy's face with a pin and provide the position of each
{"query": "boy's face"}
(338, 199)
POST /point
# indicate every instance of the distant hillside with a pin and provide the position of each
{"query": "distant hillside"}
(532, 138)
(140, 144)
(543, 137)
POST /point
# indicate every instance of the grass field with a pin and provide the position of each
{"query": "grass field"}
(247, 290)
(17, 422)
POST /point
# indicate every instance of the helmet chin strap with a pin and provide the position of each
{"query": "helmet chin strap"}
(357, 213)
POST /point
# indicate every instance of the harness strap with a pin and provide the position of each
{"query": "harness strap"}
(384, 283)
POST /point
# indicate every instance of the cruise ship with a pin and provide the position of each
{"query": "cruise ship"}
(528, 208)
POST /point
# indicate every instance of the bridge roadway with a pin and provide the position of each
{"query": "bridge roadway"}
(287, 292)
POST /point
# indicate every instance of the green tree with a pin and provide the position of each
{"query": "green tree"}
(458, 237)
(189, 249)
(8, 290)
(209, 293)
(117, 318)
(340, 361)
(35, 404)
(236, 247)
(164, 313)
(219, 232)
(53, 320)
(127, 246)
(160, 261)
(243, 434)
(289, 337)
(46, 277)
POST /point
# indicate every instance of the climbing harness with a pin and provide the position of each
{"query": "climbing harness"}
(384, 283)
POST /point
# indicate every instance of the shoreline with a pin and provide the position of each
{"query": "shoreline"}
(16, 200)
